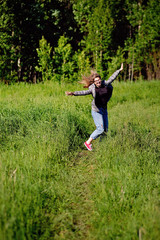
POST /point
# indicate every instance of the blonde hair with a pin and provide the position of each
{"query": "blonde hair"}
(88, 80)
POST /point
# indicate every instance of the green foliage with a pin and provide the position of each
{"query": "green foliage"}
(82, 63)
(44, 59)
(143, 44)
(99, 34)
(62, 59)
(25, 24)
(8, 58)
(8, 52)
(125, 24)
(97, 29)
(82, 13)
(116, 63)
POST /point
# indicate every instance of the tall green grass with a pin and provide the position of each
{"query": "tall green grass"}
(38, 137)
(127, 187)
(52, 188)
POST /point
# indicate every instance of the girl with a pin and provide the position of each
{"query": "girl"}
(101, 92)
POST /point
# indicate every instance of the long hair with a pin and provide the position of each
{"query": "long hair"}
(88, 80)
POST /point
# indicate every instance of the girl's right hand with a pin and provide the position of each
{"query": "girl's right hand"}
(69, 93)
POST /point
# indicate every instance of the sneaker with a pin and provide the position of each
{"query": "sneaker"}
(88, 146)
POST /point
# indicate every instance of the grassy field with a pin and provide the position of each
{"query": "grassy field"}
(51, 187)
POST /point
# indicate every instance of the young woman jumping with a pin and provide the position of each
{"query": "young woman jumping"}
(101, 92)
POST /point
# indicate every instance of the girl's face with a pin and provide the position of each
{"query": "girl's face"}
(97, 82)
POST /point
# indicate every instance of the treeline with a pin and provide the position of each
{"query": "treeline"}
(63, 39)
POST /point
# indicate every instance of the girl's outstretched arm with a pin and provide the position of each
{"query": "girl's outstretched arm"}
(79, 93)
(114, 75)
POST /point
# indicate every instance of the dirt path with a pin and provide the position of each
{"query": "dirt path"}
(82, 206)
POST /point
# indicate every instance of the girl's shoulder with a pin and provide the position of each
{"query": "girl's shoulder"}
(92, 86)
(104, 83)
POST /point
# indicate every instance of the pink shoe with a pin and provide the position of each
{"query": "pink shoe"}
(88, 146)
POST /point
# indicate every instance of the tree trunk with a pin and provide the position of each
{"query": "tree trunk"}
(12, 49)
(19, 68)
(132, 70)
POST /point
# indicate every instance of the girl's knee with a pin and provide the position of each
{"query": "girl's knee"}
(100, 129)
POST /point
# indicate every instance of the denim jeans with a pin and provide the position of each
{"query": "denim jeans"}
(101, 121)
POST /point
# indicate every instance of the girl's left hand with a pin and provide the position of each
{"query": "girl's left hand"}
(121, 67)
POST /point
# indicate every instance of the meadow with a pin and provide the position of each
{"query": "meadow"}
(51, 187)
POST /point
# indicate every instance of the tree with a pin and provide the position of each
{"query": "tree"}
(96, 23)
(8, 50)
(99, 37)
(99, 32)
(142, 45)
(62, 60)
(45, 65)
(23, 23)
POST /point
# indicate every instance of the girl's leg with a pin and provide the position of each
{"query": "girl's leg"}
(98, 120)
(105, 123)
(89, 140)
(105, 120)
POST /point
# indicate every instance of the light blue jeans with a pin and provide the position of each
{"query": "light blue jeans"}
(101, 121)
